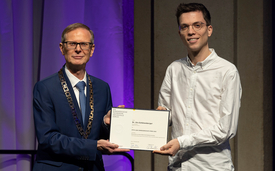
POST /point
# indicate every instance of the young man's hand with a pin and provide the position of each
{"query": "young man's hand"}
(171, 148)
(161, 108)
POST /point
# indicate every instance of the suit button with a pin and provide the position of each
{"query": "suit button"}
(80, 169)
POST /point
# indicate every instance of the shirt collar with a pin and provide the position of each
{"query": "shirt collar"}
(203, 64)
(73, 79)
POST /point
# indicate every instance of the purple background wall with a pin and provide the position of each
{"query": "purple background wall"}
(30, 32)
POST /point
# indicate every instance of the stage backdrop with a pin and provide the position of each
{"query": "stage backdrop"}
(30, 33)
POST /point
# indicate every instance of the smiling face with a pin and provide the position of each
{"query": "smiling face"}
(77, 58)
(195, 41)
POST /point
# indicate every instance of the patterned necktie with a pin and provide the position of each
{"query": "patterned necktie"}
(82, 99)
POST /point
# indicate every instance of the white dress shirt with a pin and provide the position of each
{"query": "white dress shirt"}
(74, 80)
(204, 100)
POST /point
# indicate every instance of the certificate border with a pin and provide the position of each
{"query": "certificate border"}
(146, 110)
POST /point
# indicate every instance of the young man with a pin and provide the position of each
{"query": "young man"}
(203, 92)
(71, 110)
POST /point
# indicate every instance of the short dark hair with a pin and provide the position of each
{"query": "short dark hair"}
(73, 27)
(184, 8)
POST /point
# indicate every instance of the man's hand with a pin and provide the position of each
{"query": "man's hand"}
(108, 148)
(107, 117)
(161, 108)
(171, 148)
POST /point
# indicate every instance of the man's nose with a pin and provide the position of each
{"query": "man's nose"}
(191, 30)
(78, 48)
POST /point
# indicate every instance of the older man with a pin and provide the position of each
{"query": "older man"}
(72, 110)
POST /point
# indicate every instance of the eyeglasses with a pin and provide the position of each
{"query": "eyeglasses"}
(73, 45)
(196, 26)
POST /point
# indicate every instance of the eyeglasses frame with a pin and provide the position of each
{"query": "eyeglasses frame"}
(193, 26)
(78, 44)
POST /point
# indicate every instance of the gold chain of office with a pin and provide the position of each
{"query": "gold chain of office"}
(70, 101)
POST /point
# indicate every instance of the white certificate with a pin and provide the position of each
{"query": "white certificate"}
(139, 129)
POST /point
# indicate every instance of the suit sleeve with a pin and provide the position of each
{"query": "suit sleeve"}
(105, 129)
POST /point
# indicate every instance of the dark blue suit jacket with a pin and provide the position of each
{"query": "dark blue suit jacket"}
(61, 146)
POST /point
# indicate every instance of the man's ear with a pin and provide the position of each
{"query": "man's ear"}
(210, 30)
(61, 47)
(92, 50)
